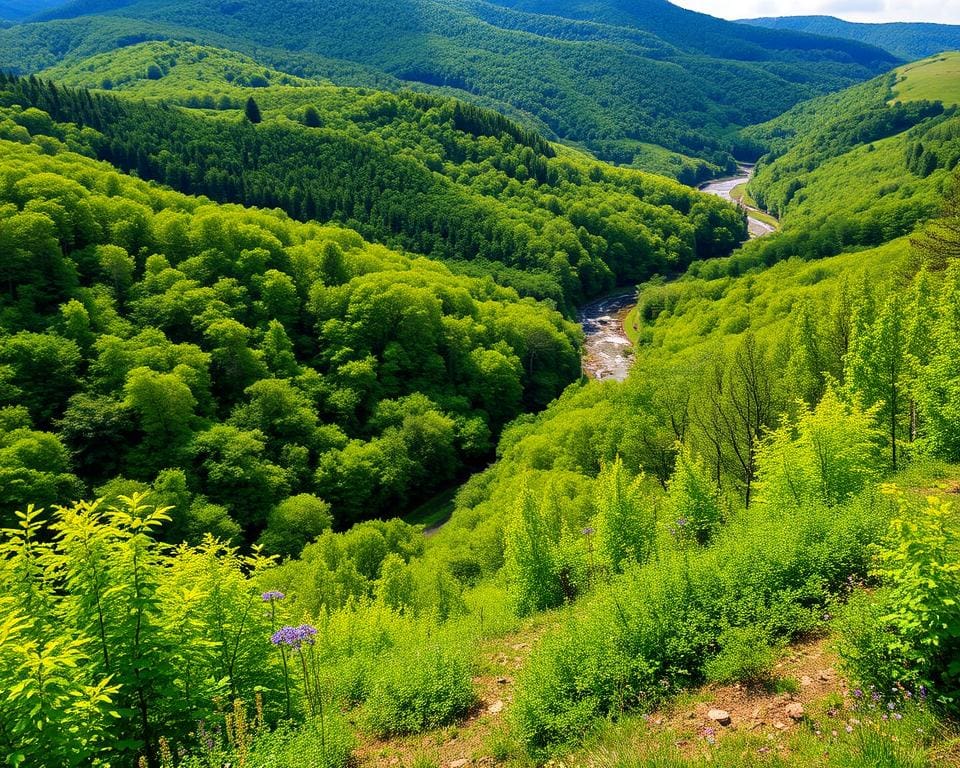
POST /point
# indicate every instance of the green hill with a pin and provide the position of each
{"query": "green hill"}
(609, 87)
(933, 79)
(862, 166)
(183, 68)
(144, 327)
(906, 40)
(427, 174)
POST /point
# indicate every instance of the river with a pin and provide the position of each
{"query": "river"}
(723, 187)
(607, 352)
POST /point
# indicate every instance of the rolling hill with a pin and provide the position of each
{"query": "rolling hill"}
(615, 81)
(906, 40)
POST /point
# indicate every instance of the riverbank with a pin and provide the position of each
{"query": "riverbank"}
(733, 189)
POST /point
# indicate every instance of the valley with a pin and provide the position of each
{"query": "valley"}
(455, 383)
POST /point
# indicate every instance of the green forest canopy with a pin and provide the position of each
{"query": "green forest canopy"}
(653, 77)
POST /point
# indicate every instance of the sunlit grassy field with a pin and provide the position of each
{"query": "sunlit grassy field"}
(935, 79)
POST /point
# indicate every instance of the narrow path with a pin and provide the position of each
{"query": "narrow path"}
(607, 352)
(723, 187)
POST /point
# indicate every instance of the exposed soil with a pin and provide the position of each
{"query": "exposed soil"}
(811, 664)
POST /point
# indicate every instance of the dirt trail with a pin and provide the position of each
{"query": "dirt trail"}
(811, 665)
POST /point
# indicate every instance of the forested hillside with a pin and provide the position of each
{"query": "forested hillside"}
(863, 166)
(236, 358)
(429, 175)
(611, 86)
(905, 40)
(174, 70)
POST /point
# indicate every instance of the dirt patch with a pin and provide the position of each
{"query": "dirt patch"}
(809, 666)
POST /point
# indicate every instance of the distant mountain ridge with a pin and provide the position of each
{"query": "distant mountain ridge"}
(18, 10)
(906, 40)
(612, 76)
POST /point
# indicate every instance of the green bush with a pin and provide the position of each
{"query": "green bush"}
(319, 744)
(418, 689)
(745, 657)
(651, 631)
(693, 500)
(907, 635)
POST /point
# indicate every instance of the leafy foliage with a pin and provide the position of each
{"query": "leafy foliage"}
(426, 690)
(907, 634)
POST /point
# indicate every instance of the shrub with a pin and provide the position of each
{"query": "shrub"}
(693, 500)
(745, 657)
(530, 557)
(833, 457)
(625, 522)
(419, 688)
(325, 744)
(908, 634)
(649, 633)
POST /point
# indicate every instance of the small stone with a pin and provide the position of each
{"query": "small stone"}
(825, 674)
(496, 708)
(806, 680)
(459, 763)
(394, 760)
(795, 711)
(779, 726)
(503, 680)
(719, 716)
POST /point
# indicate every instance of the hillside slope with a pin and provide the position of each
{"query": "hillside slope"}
(426, 174)
(862, 166)
(604, 85)
(906, 40)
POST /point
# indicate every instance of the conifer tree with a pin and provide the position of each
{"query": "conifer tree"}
(252, 111)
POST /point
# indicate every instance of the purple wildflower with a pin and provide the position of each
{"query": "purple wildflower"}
(269, 597)
(682, 522)
(294, 636)
(857, 693)
(588, 531)
(897, 716)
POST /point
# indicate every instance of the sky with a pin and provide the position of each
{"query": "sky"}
(941, 11)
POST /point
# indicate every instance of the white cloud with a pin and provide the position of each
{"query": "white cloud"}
(940, 11)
